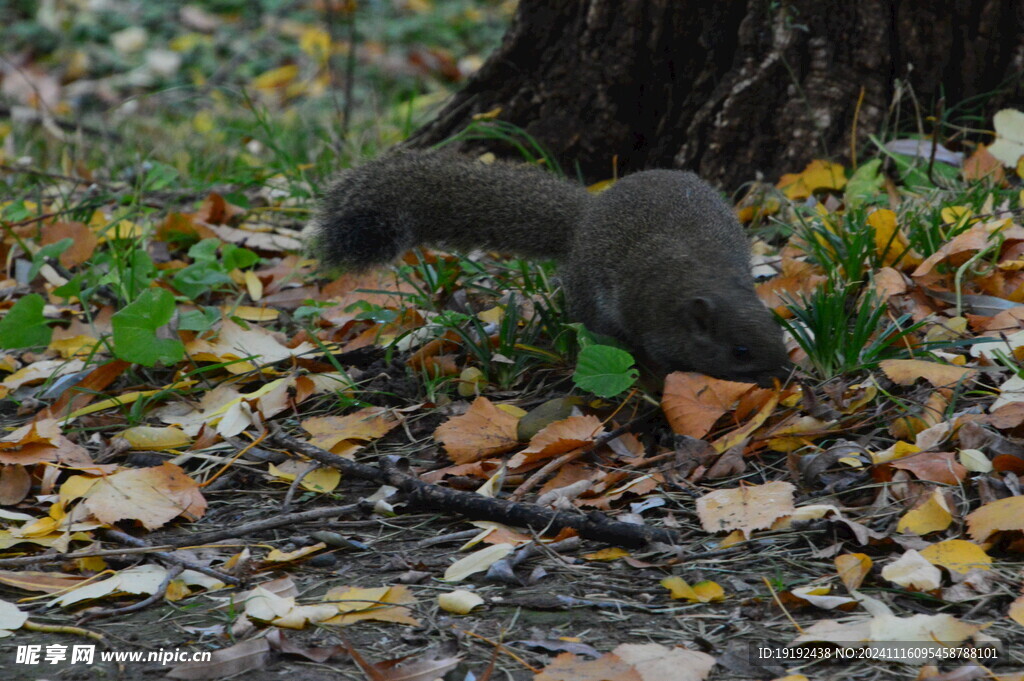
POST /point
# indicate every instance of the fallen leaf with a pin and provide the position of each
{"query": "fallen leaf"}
(1000, 515)
(746, 508)
(852, 569)
(957, 555)
(930, 516)
(460, 601)
(558, 438)
(153, 496)
(693, 402)
(906, 371)
(483, 431)
(913, 571)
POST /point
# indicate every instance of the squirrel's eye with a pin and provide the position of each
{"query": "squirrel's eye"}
(740, 351)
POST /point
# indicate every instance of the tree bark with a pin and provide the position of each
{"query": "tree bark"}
(736, 89)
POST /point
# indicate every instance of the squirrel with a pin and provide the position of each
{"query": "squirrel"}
(657, 261)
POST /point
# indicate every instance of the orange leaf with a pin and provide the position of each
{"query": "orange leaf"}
(558, 438)
(906, 371)
(693, 402)
(481, 432)
(853, 568)
(995, 516)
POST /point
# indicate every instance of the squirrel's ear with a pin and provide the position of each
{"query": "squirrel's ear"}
(701, 313)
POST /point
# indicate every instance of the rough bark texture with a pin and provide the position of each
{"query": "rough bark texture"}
(731, 89)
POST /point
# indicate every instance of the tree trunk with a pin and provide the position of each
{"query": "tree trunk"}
(733, 89)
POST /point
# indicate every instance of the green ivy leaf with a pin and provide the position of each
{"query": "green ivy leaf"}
(24, 325)
(238, 258)
(135, 326)
(604, 370)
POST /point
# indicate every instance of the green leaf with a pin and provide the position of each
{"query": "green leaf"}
(238, 258)
(865, 185)
(199, 320)
(135, 327)
(604, 370)
(48, 251)
(24, 325)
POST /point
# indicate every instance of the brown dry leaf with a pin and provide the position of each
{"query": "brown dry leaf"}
(153, 496)
(366, 424)
(483, 431)
(558, 438)
(83, 241)
(1001, 515)
(569, 667)
(853, 568)
(964, 244)
(906, 371)
(15, 484)
(45, 582)
(693, 402)
(941, 467)
(247, 656)
(747, 508)
(981, 165)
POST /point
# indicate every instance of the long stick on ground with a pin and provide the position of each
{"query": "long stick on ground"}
(420, 494)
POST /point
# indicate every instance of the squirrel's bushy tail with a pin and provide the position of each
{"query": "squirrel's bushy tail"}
(373, 213)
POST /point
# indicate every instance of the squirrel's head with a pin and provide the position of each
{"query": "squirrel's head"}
(732, 337)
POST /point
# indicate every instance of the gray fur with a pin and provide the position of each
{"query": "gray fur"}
(658, 260)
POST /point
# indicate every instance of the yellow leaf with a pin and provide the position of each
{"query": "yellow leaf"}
(611, 553)
(701, 592)
(1016, 612)
(277, 556)
(460, 602)
(477, 561)
(957, 555)
(817, 175)
(276, 78)
(159, 439)
(316, 42)
(931, 516)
